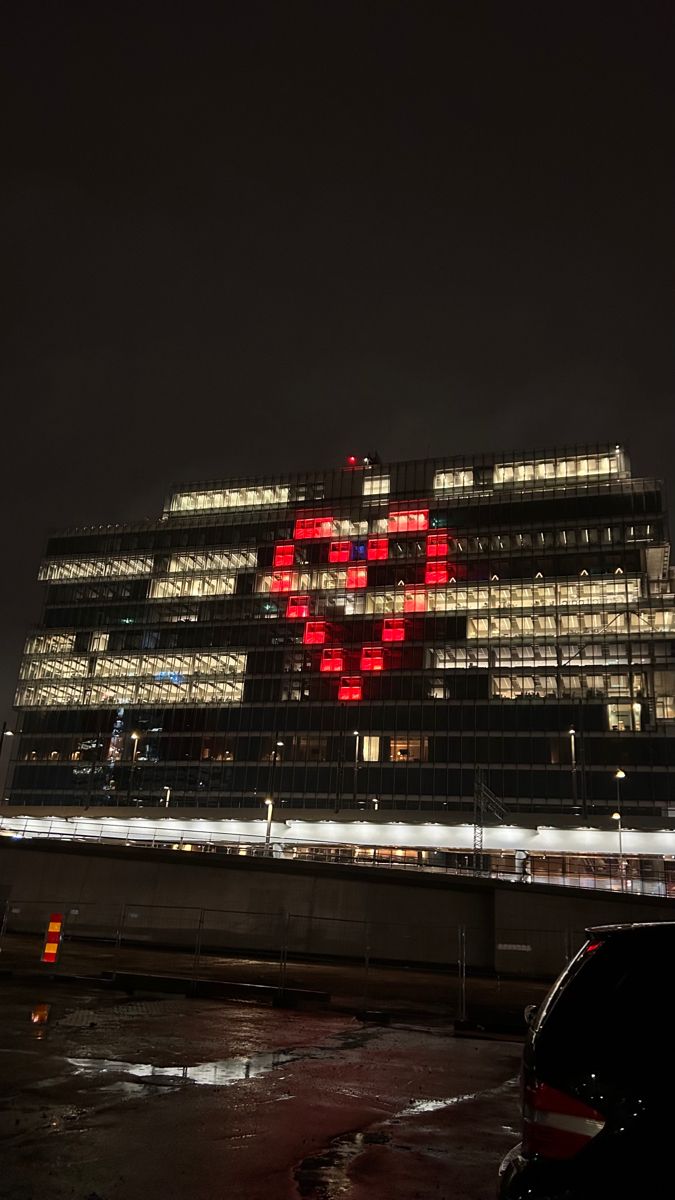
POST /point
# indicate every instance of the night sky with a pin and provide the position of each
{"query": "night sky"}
(256, 237)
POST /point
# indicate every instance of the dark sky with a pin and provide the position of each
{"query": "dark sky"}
(256, 236)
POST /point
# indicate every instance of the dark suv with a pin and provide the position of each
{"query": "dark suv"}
(598, 1075)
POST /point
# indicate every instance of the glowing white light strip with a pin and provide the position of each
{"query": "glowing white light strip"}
(540, 840)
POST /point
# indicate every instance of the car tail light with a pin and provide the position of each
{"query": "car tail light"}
(556, 1125)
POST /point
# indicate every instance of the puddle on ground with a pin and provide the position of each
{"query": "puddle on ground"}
(223, 1072)
(325, 1175)
(208, 1074)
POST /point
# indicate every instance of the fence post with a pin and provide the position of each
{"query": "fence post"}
(5, 916)
(283, 952)
(366, 963)
(198, 942)
(118, 935)
(461, 971)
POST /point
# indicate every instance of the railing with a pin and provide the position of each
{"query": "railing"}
(631, 875)
(439, 967)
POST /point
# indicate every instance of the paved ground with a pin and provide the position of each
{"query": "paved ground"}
(111, 1099)
(402, 991)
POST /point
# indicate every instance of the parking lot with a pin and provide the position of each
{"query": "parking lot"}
(110, 1098)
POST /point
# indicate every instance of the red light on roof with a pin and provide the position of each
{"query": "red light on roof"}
(282, 581)
(351, 688)
(393, 629)
(436, 572)
(339, 552)
(377, 548)
(315, 633)
(409, 522)
(415, 600)
(332, 659)
(437, 545)
(357, 577)
(351, 461)
(372, 658)
(284, 554)
(313, 527)
(298, 607)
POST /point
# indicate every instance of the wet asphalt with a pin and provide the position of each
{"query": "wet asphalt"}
(103, 1097)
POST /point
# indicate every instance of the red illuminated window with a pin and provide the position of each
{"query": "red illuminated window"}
(313, 527)
(284, 554)
(282, 581)
(372, 658)
(377, 548)
(332, 659)
(436, 572)
(315, 633)
(351, 687)
(393, 629)
(357, 577)
(339, 551)
(409, 522)
(437, 545)
(415, 600)
(298, 607)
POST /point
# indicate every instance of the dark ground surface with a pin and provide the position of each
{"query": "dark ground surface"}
(119, 1099)
(494, 1003)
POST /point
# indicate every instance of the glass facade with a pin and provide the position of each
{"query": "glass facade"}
(370, 634)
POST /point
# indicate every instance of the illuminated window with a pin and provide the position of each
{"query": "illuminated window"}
(357, 577)
(314, 527)
(351, 687)
(358, 551)
(436, 572)
(315, 633)
(459, 478)
(372, 658)
(298, 607)
(415, 600)
(229, 498)
(339, 552)
(62, 570)
(332, 659)
(409, 522)
(378, 548)
(393, 629)
(437, 545)
(284, 554)
(282, 581)
(376, 485)
(370, 748)
(407, 749)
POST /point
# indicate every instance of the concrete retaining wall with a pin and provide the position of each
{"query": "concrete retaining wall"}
(253, 903)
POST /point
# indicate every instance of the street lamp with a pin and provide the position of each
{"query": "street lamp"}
(5, 732)
(135, 737)
(616, 816)
(268, 832)
(167, 789)
(356, 762)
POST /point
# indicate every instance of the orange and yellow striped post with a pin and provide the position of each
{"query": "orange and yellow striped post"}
(50, 950)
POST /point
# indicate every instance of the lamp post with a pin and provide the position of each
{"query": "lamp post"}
(356, 763)
(135, 737)
(616, 816)
(268, 832)
(167, 789)
(573, 758)
(5, 732)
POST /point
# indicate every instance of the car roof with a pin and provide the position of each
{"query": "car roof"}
(635, 929)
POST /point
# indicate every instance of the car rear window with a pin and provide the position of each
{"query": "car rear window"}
(612, 1012)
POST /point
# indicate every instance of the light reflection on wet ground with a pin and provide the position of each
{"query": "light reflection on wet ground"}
(183, 1097)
